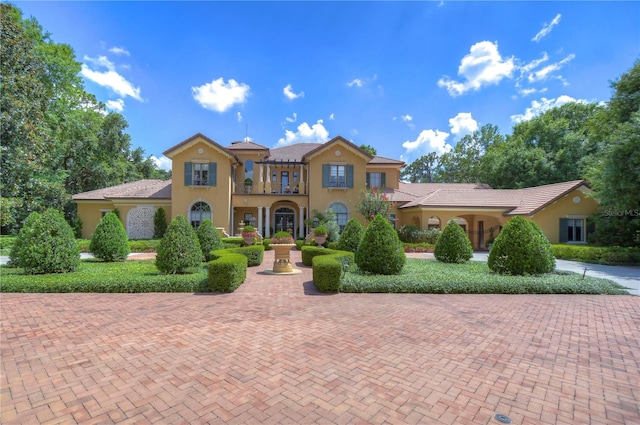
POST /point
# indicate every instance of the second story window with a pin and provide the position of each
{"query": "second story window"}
(376, 180)
(337, 177)
(200, 174)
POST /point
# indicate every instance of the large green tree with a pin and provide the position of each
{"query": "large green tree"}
(422, 170)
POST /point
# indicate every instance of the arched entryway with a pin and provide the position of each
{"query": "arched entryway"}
(285, 219)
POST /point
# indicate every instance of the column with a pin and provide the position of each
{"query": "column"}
(260, 221)
(267, 231)
(261, 184)
(232, 231)
(301, 223)
(267, 188)
(301, 187)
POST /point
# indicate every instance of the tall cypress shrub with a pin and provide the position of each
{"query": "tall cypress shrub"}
(209, 238)
(159, 223)
(179, 250)
(380, 251)
(351, 236)
(109, 241)
(453, 245)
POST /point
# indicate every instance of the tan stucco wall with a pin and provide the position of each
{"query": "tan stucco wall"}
(91, 212)
(218, 197)
(549, 218)
(321, 198)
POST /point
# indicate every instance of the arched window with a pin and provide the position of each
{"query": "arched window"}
(342, 214)
(199, 212)
(248, 169)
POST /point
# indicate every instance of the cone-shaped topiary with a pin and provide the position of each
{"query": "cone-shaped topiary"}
(380, 251)
(159, 223)
(453, 245)
(109, 241)
(521, 248)
(351, 236)
(209, 238)
(46, 244)
(179, 250)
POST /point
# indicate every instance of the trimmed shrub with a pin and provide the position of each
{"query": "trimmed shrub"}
(46, 244)
(266, 243)
(159, 223)
(299, 244)
(409, 233)
(209, 238)
(380, 251)
(227, 272)
(328, 269)
(232, 242)
(179, 249)
(453, 245)
(521, 248)
(351, 236)
(597, 254)
(109, 241)
(254, 254)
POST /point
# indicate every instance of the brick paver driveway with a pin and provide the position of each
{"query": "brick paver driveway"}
(276, 351)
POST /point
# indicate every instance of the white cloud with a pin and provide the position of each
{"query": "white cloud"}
(529, 91)
(355, 82)
(163, 162)
(543, 105)
(115, 105)
(316, 133)
(481, 67)
(332, 116)
(406, 118)
(292, 119)
(426, 142)
(239, 116)
(544, 73)
(220, 96)
(110, 78)
(463, 124)
(119, 51)
(524, 69)
(546, 29)
(360, 82)
(288, 92)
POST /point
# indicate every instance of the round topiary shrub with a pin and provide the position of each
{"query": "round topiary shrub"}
(46, 244)
(380, 251)
(351, 236)
(179, 250)
(159, 223)
(453, 245)
(521, 248)
(109, 241)
(209, 238)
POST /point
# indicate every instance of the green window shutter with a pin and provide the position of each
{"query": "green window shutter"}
(383, 179)
(326, 172)
(350, 176)
(368, 180)
(213, 174)
(564, 225)
(188, 173)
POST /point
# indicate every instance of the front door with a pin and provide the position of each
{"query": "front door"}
(285, 220)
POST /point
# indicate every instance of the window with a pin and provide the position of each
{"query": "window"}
(575, 230)
(200, 175)
(342, 214)
(199, 212)
(376, 180)
(337, 176)
(295, 177)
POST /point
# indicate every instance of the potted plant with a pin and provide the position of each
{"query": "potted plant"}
(320, 234)
(282, 242)
(248, 184)
(249, 234)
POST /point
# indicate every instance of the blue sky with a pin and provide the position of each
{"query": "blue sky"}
(407, 78)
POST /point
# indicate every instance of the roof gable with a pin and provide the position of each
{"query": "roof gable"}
(338, 140)
(199, 137)
(139, 189)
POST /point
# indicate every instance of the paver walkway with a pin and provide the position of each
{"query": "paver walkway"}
(277, 351)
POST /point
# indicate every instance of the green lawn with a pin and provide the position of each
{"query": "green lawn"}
(96, 276)
(473, 277)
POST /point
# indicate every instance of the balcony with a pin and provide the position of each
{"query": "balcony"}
(276, 189)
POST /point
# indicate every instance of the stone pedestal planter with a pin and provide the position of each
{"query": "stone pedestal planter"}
(320, 239)
(282, 263)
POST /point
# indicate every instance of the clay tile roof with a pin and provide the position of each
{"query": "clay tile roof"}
(293, 152)
(238, 146)
(382, 160)
(168, 152)
(140, 189)
(534, 199)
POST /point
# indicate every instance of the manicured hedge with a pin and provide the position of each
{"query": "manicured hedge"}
(232, 242)
(227, 271)
(254, 254)
(597, 254)
(328, 268)
(309, 251)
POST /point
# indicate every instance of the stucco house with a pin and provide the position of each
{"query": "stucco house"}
(277, 189)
